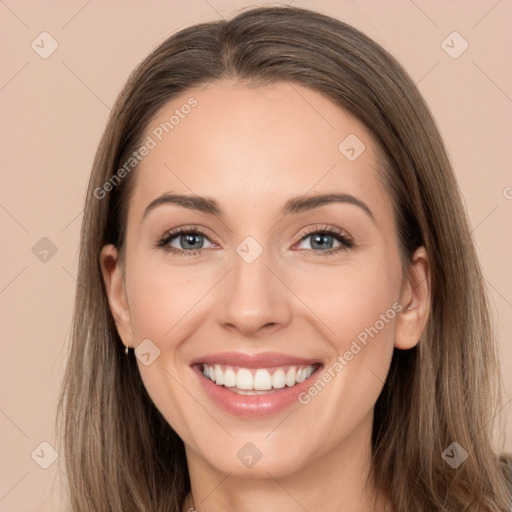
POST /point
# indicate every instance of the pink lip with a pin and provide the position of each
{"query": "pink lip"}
(253, 406)
(263, 360)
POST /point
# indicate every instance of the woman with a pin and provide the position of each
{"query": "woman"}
(274, 227)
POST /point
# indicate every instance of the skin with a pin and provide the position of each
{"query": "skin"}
(251, 149)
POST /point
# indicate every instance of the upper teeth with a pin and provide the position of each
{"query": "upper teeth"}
(257, 379)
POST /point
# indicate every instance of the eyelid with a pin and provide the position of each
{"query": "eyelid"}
(315, 228)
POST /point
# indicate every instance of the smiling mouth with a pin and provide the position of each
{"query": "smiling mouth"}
(257, 381)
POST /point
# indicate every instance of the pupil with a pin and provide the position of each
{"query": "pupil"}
(322, 240)
(188, 241)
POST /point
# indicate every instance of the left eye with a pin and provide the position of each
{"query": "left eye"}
(321, 240)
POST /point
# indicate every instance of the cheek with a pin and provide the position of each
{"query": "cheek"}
(161, 300)
(360, 307)
(162, 296)
(164, 300)
(354, 302)
(364, 310)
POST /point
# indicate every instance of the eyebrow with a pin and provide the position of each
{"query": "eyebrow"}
(292, 206)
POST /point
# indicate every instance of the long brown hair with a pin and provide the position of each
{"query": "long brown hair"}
(120, 453)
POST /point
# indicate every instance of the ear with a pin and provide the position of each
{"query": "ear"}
(112, 270)
(415, 301)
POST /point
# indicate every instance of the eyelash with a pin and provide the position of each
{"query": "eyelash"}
(339, 235)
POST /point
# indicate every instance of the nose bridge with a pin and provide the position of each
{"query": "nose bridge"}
(252, 296)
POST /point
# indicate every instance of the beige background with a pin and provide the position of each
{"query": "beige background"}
(54, 111)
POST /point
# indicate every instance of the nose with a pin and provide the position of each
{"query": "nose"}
(254, 299)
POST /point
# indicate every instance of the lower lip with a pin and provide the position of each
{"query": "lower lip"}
(253, 406)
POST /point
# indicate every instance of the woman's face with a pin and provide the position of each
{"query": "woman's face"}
(257, 291)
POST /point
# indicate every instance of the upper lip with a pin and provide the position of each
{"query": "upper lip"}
(245, 360)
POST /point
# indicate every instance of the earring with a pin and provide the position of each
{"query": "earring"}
(126, 349)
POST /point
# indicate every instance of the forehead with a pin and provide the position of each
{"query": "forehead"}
(248, 145)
